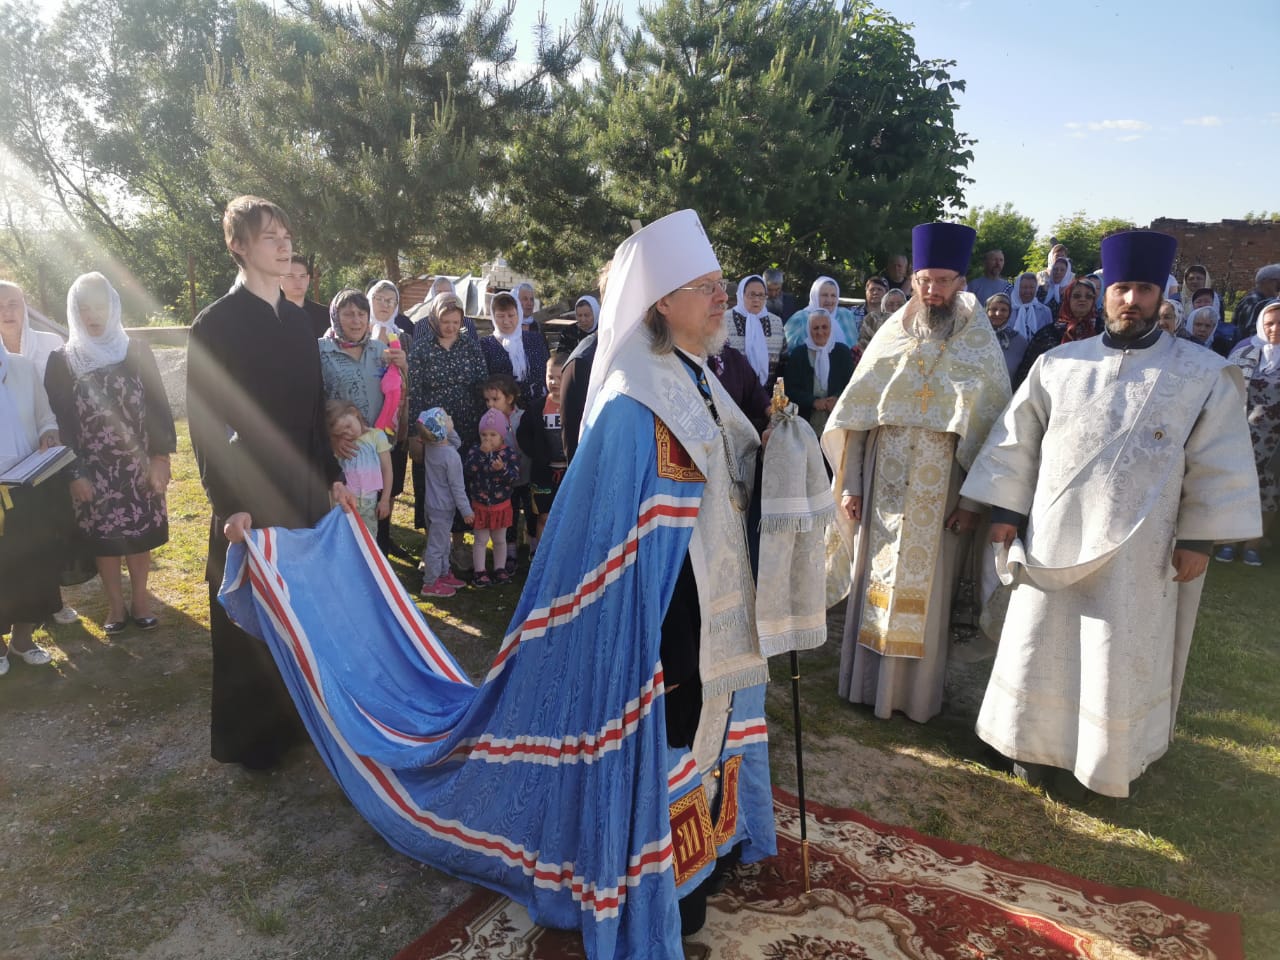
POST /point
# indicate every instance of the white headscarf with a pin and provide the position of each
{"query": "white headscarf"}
(593, 303)
(513, 343)
(884, 302)
(816, 288)
(35, 345)
(1059, 290)
(1189, 323)
(515, 292)
(1024, 311)
(378, 327)
(14, 441)
(821, 355)
(647, 266)
(756, 346)
(1269, 355)
(86, 353)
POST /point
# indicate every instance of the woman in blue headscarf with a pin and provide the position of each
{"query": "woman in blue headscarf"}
(824, 293)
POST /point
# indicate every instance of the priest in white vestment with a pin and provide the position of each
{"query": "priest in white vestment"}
(1119, 461)
(914, 415)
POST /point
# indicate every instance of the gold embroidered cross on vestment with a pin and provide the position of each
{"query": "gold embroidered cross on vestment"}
(924, 393)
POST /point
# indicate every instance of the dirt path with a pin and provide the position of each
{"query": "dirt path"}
(124, 840)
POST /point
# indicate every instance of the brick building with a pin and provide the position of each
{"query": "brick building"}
(1233, 250)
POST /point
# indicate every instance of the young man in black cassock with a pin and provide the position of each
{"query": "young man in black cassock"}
(256, 411)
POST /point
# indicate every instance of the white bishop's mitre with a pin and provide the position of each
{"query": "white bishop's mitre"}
(648, 265)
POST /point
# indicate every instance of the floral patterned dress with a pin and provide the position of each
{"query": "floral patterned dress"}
(116, 418)
(1264, 420)
(448, 378)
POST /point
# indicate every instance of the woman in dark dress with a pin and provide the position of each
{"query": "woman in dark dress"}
(30, 542)
(255, 403)
(106, 392)
(446, 370)
(517, 350)
(818, 370)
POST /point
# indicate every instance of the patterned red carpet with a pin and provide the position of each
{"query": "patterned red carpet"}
(883, 893)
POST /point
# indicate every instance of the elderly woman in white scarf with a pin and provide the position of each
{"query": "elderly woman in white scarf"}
(1170, 317)
(19, 337)
(528, 300)
(386, 322)
(106, 392)
(824, 293)
(1028, 315)
(517, 350)
(31, 549)
(1201, 324)
(586, 318)
(755, 332)
(1259, 360)
(17, 333)
(818, 371)
(1053, 289)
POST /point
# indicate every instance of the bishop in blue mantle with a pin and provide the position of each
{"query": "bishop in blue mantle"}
(617, 748)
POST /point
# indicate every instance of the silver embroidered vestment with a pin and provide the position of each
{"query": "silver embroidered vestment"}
(1113, 455)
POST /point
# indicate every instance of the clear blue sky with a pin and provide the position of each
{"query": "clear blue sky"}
(1125, 108)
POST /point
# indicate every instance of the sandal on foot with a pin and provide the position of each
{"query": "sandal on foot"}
(147, 623)
(112, 627)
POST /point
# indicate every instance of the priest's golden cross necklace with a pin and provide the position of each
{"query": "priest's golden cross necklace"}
(924, 393)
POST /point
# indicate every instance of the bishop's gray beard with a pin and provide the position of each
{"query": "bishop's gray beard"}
(715, 342)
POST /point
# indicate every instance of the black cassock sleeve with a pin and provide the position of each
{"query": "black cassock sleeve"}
(679, 649)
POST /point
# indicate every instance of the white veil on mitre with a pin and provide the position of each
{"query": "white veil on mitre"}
(648, 265)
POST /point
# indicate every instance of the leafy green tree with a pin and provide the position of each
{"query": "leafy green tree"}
(98, 107)
(381, 130)
(896, 117)
(1000, 228)
(1082, 236)
(807, 135)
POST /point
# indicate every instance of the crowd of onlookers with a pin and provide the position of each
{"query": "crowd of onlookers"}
(483, 425)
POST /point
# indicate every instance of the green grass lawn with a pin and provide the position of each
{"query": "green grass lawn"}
(123, 839)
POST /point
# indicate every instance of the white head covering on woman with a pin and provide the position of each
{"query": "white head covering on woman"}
(86, 353)
(591, 302)
(378, 327)
(34, 345)
(816, 288)
(14, 441)
(513, 342)
(1056, 291)
(756, 347)
(515, 292)
(821, 355)
(1189, 324)
(647, 266)
(1024, 311)
(1269, 355)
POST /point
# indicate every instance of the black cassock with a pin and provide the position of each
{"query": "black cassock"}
(255, 405)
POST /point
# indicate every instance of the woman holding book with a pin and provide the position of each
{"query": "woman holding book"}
(30, 549)
(106, 392)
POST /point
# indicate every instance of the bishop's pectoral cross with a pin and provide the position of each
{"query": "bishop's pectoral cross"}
(925, 395)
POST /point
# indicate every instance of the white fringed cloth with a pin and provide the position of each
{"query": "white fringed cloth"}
(796, 507)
